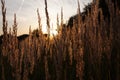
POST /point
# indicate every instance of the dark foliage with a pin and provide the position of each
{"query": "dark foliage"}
(22, 37)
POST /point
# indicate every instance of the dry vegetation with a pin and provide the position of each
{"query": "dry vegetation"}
(89, 50)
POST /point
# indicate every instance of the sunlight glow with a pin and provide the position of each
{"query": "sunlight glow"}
(52, 31)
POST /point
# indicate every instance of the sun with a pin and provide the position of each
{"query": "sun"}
(53, 32)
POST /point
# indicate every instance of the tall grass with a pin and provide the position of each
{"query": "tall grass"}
(89, 50)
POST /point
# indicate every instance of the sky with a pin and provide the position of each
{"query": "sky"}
(26, 11)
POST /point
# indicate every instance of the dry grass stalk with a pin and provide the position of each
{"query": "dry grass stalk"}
(47, 18)
(39, 20)
(57, 23)
(4, 21)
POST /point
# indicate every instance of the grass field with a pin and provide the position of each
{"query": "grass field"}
(87, 49)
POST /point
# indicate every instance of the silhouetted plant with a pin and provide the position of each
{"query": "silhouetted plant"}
(86, 50)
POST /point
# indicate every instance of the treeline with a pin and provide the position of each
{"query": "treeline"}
(87, 50)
